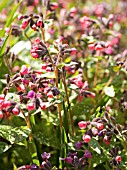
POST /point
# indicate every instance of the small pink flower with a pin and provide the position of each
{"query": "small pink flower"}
(21, 88)
(24, 24)
(31, 94)
(118, 158)
(68, 160)
(39, 23)
(54, 5)
(34, 27)
(24, 70)
(50, 95)
(34, 55)
(91, 46)
(1, 115)
(31, 106)
(36, 2)
(37, 40)
(82, 124)
(15, 111)
(6, 104)
(98, 47)
(43, 106)
(86, 138)
(73, 51)
(106, 140)
(87, 154)
(44, 66)
(100, 126)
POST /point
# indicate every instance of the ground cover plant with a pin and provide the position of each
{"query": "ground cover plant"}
(63, 85)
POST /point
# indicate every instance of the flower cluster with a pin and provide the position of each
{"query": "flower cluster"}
(77, 163)
(44, 166)
(104, 127)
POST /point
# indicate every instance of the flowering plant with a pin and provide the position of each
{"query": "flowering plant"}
(63, 97)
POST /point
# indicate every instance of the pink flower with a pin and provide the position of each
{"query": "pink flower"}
(118, 158)
(43, 106)
(1, 114)
(87, 154)
(30, 106)
(100, 126)
(86, 138)
(15, 111)
(6, 104)
(73, 51)
(39, 23)
(98, 47)
(54, 5)
(82, 124)
(24, 70)
(31, 94)
(91, 46)
(34, 55)
(24, 24)
(106, 140)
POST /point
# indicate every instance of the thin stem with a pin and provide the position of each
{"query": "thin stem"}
(43, 34)
(70, 114)
(8, 64)
(58, 105)
(27, 37)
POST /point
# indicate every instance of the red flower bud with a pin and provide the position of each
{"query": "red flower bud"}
(15, 111)
(82, 124)
(118, 158)
(24, 24)
(100, 126)
(86, 138)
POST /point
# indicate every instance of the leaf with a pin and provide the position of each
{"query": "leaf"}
(83, 108)
(109, 91)
(4, 45)
(14, 135)
(4, 147)
(97, 159)
(116, 68)
(10, 18)
(95, 146)
(3, 4)
(43, 138)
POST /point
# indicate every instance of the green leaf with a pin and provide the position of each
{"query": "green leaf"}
(11, 17)
(14, 135)
(109, 91)
(95, 145)
(116, 68)
(3, 4)
(4, 45)
(97, 159)
(4, 147)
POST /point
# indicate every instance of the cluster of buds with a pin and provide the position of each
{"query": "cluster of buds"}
(7, 107)
(77, 163)
(116, 159)
(104, 128)
(35, 21)
(44, 166)
(33, 91)
(39, 49)
(82, 86)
